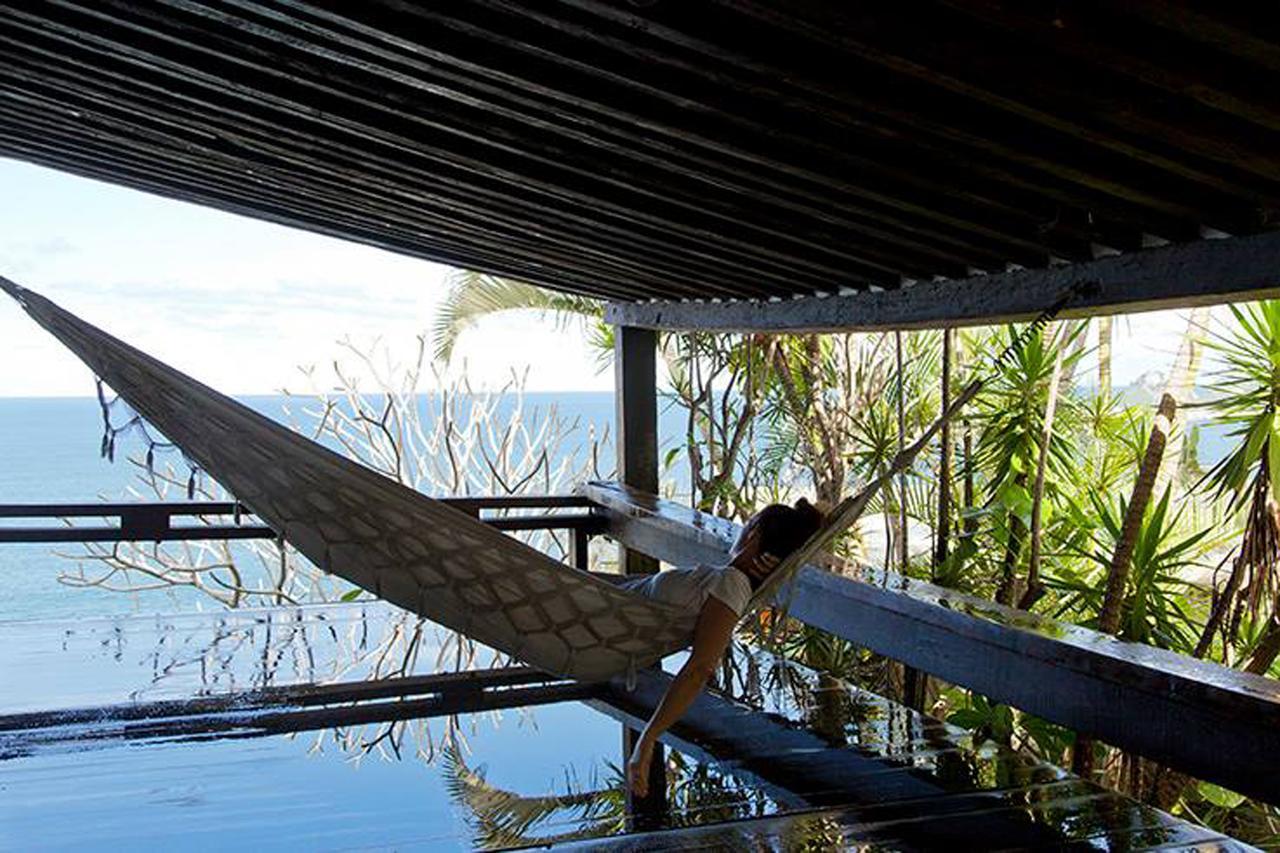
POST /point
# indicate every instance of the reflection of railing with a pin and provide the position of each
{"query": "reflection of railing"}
(301, 707)
(1208, 720)
(153, 522)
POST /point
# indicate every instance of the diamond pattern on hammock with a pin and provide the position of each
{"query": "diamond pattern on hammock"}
(400, 545)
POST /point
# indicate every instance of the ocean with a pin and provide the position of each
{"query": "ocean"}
(50, 453)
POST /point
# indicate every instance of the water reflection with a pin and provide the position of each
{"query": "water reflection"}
(698, 792)
(862, 770)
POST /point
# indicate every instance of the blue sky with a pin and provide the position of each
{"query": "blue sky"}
(241, 304)
(238, 303)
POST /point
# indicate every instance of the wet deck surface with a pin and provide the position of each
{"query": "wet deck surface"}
(199, 730)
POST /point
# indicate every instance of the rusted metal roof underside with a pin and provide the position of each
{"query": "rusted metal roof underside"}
(672, 150)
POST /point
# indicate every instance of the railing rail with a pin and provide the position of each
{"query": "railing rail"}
(1208, 720)
(153, 521)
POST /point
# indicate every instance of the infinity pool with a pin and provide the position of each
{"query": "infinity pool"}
(359, 726)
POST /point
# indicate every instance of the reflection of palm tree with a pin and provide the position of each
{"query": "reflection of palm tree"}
(697, 791)
(503, 818)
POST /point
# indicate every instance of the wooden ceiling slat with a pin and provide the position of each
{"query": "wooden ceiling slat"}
(628, 140)
(925, 43)
(864, 98)
(632, 234)
(1101, 36)
(100, 163)
(382, 193)
(700, 150)
(907, 196)
(549, 166)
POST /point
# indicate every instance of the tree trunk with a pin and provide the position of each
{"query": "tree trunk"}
(1118, 571)
(970, 523)
(1182, 379)
(903, 545)
(1267, 650)
(1009, 591)
(1104, 356)
(1034, 591)
(942, 543)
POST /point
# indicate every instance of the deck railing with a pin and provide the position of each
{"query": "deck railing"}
(154, 521)
(1207, 720)
(1213, 722)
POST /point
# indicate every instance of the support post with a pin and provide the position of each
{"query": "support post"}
(579, 548)
(636, 392)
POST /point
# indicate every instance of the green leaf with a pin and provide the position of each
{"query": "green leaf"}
(1219, 796)
(1273, 464)
(352, 594)
(1017, 500)
(967, 718)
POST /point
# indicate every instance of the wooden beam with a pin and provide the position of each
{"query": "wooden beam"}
(1205, 272)
(1207, 720)
(152, 522)
(466, 682)
(636, 390)
(636, 393)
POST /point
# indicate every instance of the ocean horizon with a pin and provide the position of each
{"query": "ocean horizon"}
(50, 452)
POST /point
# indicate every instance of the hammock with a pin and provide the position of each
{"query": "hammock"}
(400, 545)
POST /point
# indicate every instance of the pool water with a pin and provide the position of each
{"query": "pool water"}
(498, 778)
(357, 726)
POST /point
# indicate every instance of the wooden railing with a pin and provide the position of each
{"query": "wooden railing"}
(154, 522)
(1207, 720)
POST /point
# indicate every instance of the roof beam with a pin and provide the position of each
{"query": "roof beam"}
(1202, 273)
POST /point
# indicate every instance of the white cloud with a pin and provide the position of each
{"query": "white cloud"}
(240, 303)
(235, 302)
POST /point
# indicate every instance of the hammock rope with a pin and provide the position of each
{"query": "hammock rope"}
(405, 547)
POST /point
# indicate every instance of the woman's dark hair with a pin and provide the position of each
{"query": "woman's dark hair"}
(784, 528)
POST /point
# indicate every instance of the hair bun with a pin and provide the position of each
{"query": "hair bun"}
(803, 506)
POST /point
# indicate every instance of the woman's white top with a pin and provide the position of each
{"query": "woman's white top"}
(690, 588)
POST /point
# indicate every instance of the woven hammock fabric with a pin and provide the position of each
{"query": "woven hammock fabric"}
(405, 547)
(400, 545)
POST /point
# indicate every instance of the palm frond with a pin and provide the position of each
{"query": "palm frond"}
(506, 819)
(473, 296)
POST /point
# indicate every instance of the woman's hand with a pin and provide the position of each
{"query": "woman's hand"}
(638, 767)
(710, 638)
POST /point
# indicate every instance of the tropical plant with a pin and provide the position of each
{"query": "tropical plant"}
(501, 819)
(473, 296)
(1155, 610)
(1247, 385)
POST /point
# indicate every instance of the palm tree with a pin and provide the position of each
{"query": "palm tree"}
(502, 818)
(1182, 380)
(474, 296)
(1014, 404)
(1105, 324)
(1248, 385)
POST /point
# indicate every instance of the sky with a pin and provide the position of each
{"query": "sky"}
(238, 303)
(242, 304)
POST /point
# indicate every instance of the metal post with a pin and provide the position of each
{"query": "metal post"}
(635, 366)
(579, 548)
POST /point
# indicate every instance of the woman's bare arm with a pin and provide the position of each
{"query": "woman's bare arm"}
(710, 638)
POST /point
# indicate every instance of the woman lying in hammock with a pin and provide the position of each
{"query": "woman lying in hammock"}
(718, 595)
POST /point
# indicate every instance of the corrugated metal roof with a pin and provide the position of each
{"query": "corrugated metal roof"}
(671, 150)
